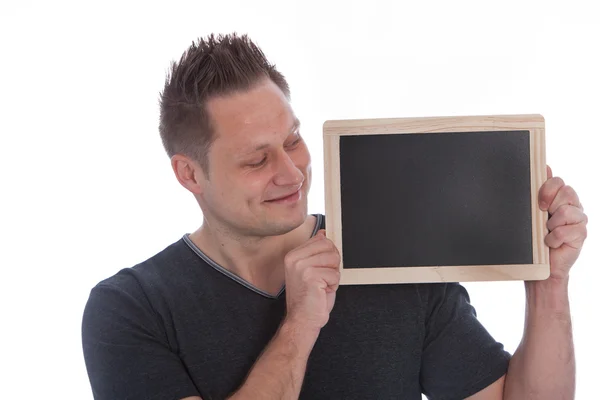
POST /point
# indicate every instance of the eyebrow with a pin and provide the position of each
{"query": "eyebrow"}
(295, 127)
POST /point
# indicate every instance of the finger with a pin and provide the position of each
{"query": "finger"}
(571, 235)
(548, 171)
(566, 215)
(326, 278)
(320, 235)
(330, 260)
(566, 195)
(548, 192)
(315, 247)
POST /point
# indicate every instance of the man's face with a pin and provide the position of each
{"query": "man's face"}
(259, 166)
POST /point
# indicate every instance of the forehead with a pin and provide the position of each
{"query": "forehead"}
(246, 118)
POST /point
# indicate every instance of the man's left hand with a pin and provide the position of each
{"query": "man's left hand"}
(567, 224)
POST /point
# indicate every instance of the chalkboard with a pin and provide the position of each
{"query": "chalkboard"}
(448, 199)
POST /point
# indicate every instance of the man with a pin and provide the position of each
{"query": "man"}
(248, 306)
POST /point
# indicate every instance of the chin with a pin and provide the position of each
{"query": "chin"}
(284, 223)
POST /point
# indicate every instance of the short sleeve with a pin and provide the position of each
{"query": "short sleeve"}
(126, 351)
(460, 358)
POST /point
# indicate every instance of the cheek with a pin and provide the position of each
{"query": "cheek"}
(254, 183)
(228, 187)
(252, 186)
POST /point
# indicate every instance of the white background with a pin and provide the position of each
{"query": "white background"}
(87, 189)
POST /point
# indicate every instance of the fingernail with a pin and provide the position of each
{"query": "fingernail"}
(543, 205)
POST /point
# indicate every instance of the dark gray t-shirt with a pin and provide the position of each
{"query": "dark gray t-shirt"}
(179, 325)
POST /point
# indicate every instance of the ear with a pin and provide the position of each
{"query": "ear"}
(189, 173)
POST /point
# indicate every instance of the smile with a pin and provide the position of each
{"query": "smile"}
(291, 198)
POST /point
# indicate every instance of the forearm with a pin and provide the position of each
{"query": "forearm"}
(279, 371)
(543, 367)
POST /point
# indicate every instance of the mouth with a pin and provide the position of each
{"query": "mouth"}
(288, 198)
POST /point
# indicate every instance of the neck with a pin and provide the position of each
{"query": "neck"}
(258, 260)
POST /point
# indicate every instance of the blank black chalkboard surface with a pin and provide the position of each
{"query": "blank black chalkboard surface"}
(438, 199)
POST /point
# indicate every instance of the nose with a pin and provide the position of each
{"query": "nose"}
(287, 172)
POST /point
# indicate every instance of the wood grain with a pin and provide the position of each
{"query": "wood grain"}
(534, 123)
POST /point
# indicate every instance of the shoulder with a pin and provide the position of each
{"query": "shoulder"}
(144, 285)
(151, 273)
(137, 296)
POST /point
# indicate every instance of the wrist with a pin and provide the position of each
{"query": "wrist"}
(550, 295)
(549, 286)
(301, 335)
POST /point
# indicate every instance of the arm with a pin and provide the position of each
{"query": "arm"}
(544, 364)
(543, 367)
(312, 278)
(279, 372)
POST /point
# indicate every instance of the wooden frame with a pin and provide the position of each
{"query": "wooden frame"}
(334, 129)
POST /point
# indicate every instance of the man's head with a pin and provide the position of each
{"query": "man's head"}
(233, 139)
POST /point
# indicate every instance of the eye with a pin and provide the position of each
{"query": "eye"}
(258, 164)
(295, 142)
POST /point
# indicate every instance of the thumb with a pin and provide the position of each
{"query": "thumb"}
(549, 171)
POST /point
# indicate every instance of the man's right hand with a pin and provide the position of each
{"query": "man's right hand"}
(312, 277)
